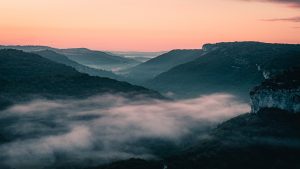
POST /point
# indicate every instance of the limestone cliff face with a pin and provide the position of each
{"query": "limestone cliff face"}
(285, 99)
(282, 92)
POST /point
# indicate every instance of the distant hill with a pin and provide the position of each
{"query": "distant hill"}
(26, 75)
(160, 64)
(98, 59)
(138, 54)
(27, 48)
(59, 58)
(233, 67)
(140, 59)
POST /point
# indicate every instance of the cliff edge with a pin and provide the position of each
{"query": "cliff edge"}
(281, 92)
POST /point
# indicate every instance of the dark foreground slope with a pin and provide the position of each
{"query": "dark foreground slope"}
(26, 75)
(228, 67)
(269, 139)
(162, 63)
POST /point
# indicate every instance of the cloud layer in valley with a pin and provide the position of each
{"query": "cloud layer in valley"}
(101, 129)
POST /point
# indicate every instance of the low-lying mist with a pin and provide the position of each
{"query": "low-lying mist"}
(44, 133)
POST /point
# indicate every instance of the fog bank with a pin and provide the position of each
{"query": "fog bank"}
(101, 129)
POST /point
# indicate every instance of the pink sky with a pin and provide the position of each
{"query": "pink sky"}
(144, 25)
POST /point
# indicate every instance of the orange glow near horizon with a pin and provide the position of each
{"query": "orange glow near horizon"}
(143, 25)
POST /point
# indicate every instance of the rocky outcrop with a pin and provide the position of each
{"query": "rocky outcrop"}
(281, 92)
(282, 99)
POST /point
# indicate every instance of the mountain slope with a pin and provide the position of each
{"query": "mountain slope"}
(268, 138)
(59, 58)
(162, 63)
(26, 75)
(227, 67)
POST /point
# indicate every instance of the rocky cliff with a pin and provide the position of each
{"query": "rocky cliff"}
(281, 92)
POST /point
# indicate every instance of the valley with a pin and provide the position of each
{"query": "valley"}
(182, 109)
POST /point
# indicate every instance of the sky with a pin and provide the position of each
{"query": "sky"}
(144, 25)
